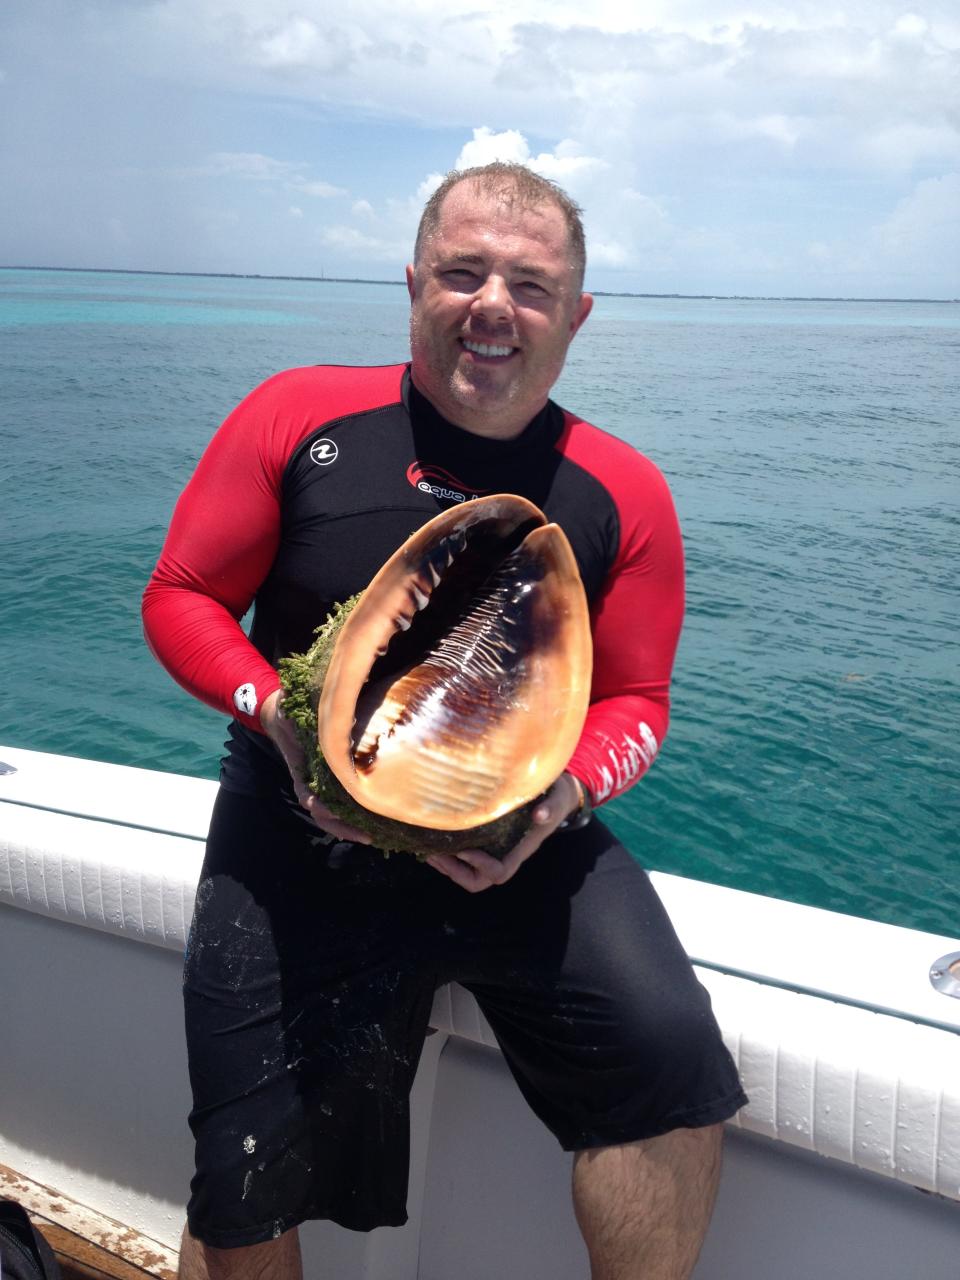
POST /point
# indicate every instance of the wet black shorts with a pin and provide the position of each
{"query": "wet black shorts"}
(309, 980)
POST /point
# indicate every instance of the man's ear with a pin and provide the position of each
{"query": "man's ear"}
(412, 284)
(584, 307)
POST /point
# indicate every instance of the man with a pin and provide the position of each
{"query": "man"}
(313, 961)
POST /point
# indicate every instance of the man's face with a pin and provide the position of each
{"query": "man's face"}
(494, 307)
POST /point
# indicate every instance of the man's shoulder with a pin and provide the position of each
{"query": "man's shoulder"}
(614, 462)
(282, 412)
(339, 388)
(630, 481)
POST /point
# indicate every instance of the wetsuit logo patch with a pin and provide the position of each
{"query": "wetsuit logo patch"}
(245, 698)
(323, 452)
(430, 479)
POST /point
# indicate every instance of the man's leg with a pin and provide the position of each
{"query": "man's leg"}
(644, 1208)
(273, 1260)
(305, 1016)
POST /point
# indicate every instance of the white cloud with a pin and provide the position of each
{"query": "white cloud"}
(323, 190)
(565, 164)
(915, 248)
(695, 133)
(722, 47)
(358, 245)
(911, 24)
(428, 186)
(900, 147)
(486, 146)
(926, 225)
(391, 225)
(838, 87)
(248, 165)
(295, 42)
(785, 130)
(252, 166)
(630, 231)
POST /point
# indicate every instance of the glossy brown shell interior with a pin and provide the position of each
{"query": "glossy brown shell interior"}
(459, 684)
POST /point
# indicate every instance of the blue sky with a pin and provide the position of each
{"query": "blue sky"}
(716, 147)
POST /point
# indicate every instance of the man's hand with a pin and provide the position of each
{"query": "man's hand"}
(284, 736)
(475, 870)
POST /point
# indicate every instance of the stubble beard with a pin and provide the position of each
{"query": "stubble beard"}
(469, 387)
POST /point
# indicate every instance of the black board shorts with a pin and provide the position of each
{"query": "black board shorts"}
(309, 980)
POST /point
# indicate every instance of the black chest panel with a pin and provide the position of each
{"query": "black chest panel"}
(357, 487)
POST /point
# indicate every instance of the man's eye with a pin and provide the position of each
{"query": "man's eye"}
(461, 274)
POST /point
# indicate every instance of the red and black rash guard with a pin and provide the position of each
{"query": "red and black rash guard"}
(321, 473)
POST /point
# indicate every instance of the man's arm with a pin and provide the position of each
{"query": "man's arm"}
(222, 541)
(636, 627)
(221, 544)
(226, 529)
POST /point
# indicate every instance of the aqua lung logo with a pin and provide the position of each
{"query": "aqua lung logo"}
(245, 698)
(430, 479)
(323, 452)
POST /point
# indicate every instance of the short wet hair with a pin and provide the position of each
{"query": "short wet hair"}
(517, 185)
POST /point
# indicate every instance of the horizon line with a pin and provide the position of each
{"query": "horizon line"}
(600, 293)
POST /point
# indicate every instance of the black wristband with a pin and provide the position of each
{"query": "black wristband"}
(579, 818)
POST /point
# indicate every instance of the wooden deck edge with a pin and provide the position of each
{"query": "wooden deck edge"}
(115, 1238)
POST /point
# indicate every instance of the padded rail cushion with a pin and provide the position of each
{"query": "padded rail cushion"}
(137, 883)
(875, 1091)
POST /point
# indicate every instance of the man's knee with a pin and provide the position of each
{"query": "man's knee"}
(688, 1155)
(644, 1207)
(277, 1259)
(667, 1183)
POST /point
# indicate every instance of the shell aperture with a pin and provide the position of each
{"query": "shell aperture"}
(459, 683)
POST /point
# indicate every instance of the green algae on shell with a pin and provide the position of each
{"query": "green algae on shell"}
(436, 707)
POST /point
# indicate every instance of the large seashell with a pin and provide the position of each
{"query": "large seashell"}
(459, 682)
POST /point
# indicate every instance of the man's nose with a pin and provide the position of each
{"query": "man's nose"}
(493, 300)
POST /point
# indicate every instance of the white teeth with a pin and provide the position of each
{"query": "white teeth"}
(486, 349)
(402, 622)
(418, 596)
(434, 575)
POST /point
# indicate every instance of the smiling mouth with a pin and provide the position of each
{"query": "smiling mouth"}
(487, 349)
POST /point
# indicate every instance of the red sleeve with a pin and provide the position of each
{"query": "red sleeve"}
(636, 619)
(226, 529)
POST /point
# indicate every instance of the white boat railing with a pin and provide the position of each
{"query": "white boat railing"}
(845, 1047)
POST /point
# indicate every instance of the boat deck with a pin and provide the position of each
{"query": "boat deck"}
(88, 1245)
(80, 1259)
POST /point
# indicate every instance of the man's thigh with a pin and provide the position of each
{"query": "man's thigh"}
(594, 1002)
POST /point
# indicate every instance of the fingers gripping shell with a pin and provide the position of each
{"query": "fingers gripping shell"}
(459, 683)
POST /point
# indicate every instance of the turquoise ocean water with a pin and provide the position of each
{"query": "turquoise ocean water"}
(813, 450)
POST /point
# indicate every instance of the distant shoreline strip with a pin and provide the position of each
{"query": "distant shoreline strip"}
(598, 293)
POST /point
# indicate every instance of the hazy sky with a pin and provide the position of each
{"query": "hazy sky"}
(803, 147)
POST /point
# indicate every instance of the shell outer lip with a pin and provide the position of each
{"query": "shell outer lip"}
(371, 625)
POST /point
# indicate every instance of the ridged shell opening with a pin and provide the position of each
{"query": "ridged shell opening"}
(481, 673)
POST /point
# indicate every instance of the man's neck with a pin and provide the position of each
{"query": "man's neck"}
(490, 426)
